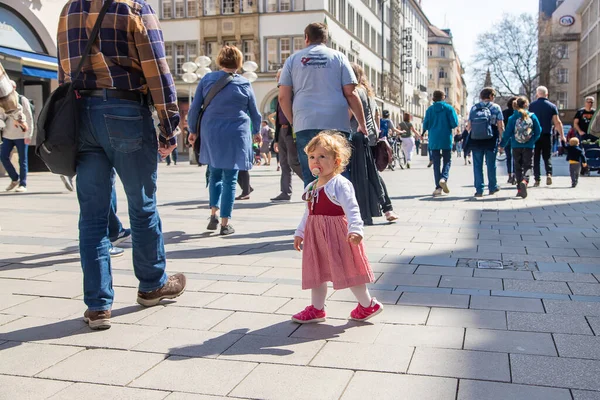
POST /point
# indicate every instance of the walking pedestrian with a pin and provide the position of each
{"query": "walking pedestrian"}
(408, 135)
(265, 147)
(19, 135)
(576, 158)
(485, 128)
(522, 132)
(506, 114)
(547, 114)
(116, 131)
(285, 147)
(330, 234)
(323, 86)
(173, 156)
(440, 121)
(583, 117)
(227, 126)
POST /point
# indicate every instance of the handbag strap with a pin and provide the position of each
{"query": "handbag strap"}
(92, 38)
(216, 88)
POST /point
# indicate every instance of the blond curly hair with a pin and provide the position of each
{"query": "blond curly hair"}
(335, 143)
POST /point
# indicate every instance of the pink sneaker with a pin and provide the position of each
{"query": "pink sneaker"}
(361, 313)
(309, 315)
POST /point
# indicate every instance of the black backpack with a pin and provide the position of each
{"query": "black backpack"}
(58, 122)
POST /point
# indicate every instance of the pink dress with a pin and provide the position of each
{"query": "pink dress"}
(327, 254)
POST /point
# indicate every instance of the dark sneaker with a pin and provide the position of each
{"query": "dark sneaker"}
(281, 197)
(574, 184)
(174, 288)
(116, 251)
(430, 164)
(227, 230)
(477, 194)
(523, 189)
(68, 182)
(121, 237)
(536, 184)
(97, 320)
(213, 224)
(494, 191)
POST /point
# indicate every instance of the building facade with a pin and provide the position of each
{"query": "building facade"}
(446, 72)
(589, 50)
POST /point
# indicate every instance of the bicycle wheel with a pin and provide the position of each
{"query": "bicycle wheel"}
(400, 156)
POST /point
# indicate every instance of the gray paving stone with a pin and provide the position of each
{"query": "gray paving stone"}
(595, 324)
(460, 364)
(47, 306)
(435, 299)
(273, 349)
(553, 267)
(79, 391)
(18, 387)
(578, 346)
(186, 318)
(472, 292)
(181, 374)
(585, 298)
(467, 318)
(564, 277)
(257, 324)
(29, 329)
(585, 289)
(478, 390)
(506, 304)
(423, 289)
(421, 336)
(533, 295)
(5, 318)
(509, 342)
(585, 268)
(111, 367)
(269, 381)
(430, 270)
(471, 283)
(241, 302)
(395, 259)
(119, 336)
(384, 296)
(341, 330)
(590, 309)
(493, 273)
(409, 280)
(28, 356)
(11, 300)
(585, 395)
(369, 385)
(395, 268)
(536, 286)
(554, 323)
(365, 357)
(555, 371)
(434, 260)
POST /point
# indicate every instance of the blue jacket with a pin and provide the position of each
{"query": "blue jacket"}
(440, 120)
(228, 124)
(509, 133)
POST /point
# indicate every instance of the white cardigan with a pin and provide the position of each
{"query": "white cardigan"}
(340, 191)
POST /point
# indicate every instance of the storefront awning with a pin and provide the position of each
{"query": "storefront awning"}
(33, 64)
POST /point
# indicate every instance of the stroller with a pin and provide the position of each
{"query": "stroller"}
(590, 143)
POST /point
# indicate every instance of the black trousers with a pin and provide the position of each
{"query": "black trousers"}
(543, 149)
(523, 158)
(244, 182)
(574, 170)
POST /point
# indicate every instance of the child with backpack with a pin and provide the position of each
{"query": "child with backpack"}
(523, 130)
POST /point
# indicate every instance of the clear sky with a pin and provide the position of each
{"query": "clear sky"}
(468, 18)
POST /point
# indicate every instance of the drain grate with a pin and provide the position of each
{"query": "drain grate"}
(490, 264)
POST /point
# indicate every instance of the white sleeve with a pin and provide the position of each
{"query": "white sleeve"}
(300, 230)
(28, 116)
(345, 196)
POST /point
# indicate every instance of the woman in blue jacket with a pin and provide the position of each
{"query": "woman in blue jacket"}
(227, 127)
(440, 121)
(522, 131)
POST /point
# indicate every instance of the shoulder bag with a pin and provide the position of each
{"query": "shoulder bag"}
(58, 122)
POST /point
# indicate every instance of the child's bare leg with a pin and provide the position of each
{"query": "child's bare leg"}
(318, 296)
(361, 292)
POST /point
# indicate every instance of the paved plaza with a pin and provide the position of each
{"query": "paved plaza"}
(449, 331)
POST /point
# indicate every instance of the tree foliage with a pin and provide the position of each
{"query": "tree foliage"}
(516, 59)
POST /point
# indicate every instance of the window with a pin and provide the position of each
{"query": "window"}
(429, 51)
(192, 51)
(192, 8)
(351, 57)
(442, 74)
(279, 49)
(379, 48)
(272, 56)
(246, 6)
(351, 19)
(285, 49)
(169, 54)
(447, 92)
(563, 75)
(373, 39)
(285, 5)
(210, 7)
(562, 100)
(298, 5)
(179, 57)
(359, 26)
(167, 9)
(179, 9)
(298, 43)
(212, 51)
(228, 6)
(332, 8)
(342, 9)
(248, 50)
(367, 37)
(271, 5)
(563, 51)
(230, 43)
(442, 51)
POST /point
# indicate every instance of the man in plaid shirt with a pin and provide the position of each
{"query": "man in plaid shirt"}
(124, 74)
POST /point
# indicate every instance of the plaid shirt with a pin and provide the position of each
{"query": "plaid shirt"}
(129, 54)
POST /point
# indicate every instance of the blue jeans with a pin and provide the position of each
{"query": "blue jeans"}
(221, 189)
(441, 171)
(490, 161)
(114, 223)
(117, 134)
(7, 146)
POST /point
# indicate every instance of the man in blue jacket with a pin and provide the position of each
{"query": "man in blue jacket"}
(440, 121)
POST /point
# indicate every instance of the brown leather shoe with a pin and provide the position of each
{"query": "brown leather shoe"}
(174, 287)
(97, 320)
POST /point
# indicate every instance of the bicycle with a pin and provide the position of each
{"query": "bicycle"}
(398, 156)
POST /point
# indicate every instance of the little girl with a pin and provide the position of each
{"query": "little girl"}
(332, 232)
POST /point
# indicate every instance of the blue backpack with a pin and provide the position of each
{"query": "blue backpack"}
(481, 122)
(384, 126)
